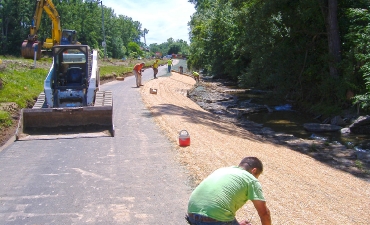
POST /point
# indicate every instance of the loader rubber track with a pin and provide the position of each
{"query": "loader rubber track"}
(40, 101)
(103, 98)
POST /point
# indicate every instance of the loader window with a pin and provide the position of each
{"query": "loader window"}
(74, 76)
(74, 56)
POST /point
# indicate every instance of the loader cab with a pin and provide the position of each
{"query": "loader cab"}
(70, 75)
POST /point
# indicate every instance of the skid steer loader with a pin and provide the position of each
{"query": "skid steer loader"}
(72, 103)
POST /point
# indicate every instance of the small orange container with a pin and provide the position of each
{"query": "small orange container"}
(184, 138)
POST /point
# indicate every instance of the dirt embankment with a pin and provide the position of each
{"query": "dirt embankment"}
(299, 189)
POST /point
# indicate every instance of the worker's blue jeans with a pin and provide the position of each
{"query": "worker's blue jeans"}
(169, 68)
(195, 222)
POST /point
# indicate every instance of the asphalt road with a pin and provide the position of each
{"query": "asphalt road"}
(132, 178)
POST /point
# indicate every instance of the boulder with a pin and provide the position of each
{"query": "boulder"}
(319, 127)
(361, 125)
(345, 130)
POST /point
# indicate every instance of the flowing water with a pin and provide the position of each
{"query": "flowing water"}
(284, 119)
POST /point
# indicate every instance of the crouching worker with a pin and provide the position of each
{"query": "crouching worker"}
(218, 197)
(196, 76)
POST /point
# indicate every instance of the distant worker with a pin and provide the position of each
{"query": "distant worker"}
(181, 69)
(155, 68)
(137, 72)
(196, 76)
(169, 63)
(217, 198)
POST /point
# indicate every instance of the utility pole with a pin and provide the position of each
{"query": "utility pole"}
(104, 44)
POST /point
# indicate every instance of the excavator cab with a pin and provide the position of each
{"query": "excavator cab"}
(69, 37)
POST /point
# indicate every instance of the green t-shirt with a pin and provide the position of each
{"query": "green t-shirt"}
(223, 192)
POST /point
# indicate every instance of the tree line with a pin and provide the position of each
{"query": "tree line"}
(315, 53)
(121, 33)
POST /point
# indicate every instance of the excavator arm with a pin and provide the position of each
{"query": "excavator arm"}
(49, 8)
(28, 45)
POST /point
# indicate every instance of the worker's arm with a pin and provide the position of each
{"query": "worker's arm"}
(263, 211)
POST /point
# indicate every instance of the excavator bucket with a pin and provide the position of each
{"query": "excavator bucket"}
(54, 123)
(28, 49)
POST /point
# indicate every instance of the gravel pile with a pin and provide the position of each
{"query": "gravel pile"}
(298, 188)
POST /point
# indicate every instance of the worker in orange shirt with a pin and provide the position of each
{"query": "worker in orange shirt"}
(137, 72)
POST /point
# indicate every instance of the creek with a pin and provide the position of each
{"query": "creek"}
(283, 118)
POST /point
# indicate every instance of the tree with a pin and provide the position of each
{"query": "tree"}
(174, 49)
(333, 36)
(82, 16)
(134, 49)
(145, 31)
(290, 47)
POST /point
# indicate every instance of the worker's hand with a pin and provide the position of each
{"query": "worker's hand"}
(244, 222)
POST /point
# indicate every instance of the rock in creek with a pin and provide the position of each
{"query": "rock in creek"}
(361, 125)
(318, 127)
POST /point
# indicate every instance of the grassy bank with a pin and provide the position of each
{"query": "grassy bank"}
(21, 84)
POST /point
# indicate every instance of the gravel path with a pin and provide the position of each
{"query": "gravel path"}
(298, 188)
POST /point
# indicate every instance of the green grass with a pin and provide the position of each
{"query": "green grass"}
(313, 148)
(108, 69)
(21, 85)
(361, 166)
(5, 119)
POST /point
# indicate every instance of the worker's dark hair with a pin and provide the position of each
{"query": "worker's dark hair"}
(248, 163)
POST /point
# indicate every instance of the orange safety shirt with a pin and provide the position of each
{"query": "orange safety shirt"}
(138, 67)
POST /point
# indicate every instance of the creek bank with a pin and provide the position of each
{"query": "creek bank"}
(216, 97)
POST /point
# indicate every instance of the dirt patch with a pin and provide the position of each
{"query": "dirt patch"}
(7, 133)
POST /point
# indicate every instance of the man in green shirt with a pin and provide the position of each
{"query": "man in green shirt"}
(196, 76)
(218, 197)
(169, 63)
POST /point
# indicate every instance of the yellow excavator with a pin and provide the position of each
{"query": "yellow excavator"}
(58, 36)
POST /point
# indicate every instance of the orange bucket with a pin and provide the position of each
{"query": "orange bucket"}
(184, 138)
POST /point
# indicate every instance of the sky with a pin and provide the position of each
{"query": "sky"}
(163, 18)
